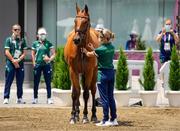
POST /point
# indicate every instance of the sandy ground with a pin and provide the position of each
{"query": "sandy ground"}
(130, 119)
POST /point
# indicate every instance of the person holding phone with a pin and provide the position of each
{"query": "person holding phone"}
(167, 37)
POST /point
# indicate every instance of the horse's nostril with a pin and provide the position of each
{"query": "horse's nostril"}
(76, 41)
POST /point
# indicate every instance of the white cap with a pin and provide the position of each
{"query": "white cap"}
(133, 32)
(99, 27)
(42, 31)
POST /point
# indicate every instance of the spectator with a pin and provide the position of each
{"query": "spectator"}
(15, 51)
(167, 37)
(131, 44)
(43, 53)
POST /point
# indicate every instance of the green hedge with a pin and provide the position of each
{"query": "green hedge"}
(122, 72)
(148, 72)
(174, 75)
(61, 79)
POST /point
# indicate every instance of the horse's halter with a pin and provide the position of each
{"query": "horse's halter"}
(82, 32)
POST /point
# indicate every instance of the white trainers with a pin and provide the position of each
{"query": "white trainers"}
(102, 123)
(114, 123)
(49, 101)
(20, 101)
(35, 101)
(6, 101)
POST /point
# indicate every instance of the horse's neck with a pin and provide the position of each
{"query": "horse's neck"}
(86, 40)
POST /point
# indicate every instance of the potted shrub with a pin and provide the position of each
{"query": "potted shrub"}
(122, 94)
(174, 79)
(61, 79)
(149, 96)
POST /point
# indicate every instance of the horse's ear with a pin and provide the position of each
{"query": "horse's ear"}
(86, 8)
(77, 8)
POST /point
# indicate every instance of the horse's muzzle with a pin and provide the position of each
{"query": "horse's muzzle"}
(77, 41)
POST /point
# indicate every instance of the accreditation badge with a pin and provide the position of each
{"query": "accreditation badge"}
(17, 53)
(167, 46)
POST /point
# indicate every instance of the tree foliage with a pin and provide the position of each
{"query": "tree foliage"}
(148, 72)
(141, 45)
(61, 77)
(122, 71)
(174, 75)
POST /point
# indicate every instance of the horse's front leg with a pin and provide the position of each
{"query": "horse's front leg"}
(75, 106)
(85, 98)
(85, 112)
(73, 112)
(75, 98)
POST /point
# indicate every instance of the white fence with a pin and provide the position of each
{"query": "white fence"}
(137, 65)
(164, 72)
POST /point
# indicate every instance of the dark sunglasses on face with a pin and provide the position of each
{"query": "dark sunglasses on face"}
(16, 29)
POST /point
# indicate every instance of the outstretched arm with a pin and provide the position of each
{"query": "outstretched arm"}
(89, 53)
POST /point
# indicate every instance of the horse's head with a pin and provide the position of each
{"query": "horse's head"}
(82, 24)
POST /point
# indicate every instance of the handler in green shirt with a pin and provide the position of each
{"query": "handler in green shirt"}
(43, 53)
(15, 51)
(106, 74)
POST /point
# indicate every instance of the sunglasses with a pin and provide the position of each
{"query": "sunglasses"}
(17, 29)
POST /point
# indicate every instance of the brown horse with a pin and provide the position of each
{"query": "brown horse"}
(79, 63)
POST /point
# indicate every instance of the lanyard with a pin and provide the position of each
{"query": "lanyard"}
(41, 45)
(169, 38)
(16, 43)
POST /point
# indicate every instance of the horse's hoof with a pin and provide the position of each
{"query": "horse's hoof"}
(85, 120)
(72, 121)
(94, 119)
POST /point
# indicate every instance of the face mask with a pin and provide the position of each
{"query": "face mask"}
(167, 28)
(42, 37)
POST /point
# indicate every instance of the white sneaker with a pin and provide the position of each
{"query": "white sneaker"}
(114, 122)
(102, 123)
(20, 101)
(49, 101)
(35, 101)
(6, 101)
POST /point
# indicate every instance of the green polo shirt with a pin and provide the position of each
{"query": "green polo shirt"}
(13, 45)
(105, 56)
(41, 49)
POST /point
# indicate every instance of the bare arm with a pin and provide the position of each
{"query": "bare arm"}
(8, 54)
(22, 56)
(51, 58)
(176, 37)
(89, 53)
(10, 57)
(33, 57)
(53, 52)
(159, 36)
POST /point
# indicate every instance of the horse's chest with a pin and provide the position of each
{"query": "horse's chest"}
(79, 63)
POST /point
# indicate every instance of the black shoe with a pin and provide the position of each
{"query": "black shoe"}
(98, 102)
